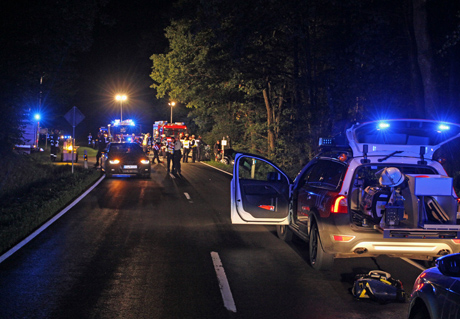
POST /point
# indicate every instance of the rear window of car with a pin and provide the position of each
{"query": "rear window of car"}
(403, 132)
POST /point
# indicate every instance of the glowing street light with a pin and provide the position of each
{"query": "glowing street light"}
(171, 104)
(121, 98)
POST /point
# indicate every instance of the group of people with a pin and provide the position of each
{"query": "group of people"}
(177, 150)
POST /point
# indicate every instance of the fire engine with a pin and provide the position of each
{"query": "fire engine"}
(163, 131)
(124, 131)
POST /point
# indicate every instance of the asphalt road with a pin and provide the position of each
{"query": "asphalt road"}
(165, 248)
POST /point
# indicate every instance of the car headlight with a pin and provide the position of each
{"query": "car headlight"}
(144, 161)
(115, 161)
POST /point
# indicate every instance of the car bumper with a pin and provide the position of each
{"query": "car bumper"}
(127, 170)
(344, 242)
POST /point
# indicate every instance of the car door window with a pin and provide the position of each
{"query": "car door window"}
(327, 174)
(258, 170)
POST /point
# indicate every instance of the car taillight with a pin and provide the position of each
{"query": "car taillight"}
(340, 205)
(344, 238)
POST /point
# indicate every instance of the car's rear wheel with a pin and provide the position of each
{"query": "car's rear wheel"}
(319, 259)
(419, 311)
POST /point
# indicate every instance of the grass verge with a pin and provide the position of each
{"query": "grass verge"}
(33, 190)
(222, 166)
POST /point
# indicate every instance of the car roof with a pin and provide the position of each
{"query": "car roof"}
(407, 136)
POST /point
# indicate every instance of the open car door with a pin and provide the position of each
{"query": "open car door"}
(260, 192)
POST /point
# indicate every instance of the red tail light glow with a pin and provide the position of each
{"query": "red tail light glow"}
(340, 205)
(344, 238)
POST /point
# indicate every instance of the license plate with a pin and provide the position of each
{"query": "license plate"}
(130, 166)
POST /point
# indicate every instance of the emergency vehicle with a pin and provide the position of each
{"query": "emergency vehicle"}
(29, 128)
(69, 149)
(124, 131)
(164, 131)
(377, 190)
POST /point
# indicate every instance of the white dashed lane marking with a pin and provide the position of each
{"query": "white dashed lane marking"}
(188, 197)
(224, 287)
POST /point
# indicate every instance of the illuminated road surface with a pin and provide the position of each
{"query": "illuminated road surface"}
(165, 248)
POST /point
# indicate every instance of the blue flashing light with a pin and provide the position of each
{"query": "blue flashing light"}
(132, 123)
(443, 127)
(37, 116)
(130, 139)
(383, 125)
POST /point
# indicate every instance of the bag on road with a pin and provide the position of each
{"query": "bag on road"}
(379, 286)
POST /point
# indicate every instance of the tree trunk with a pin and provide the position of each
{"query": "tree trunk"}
(269, 108)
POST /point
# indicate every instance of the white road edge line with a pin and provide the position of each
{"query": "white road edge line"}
(413, 263)
(48, 223)
(223, 282)
(217, 168)
(187, 196)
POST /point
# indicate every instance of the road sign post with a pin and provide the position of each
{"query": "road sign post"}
(74, 117)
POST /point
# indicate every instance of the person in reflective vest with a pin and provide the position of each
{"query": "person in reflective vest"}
(198, 143)
(186, 149)
(170, 153)
(54, 145)
(193, 147)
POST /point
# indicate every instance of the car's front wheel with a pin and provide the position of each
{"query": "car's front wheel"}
(319, 259)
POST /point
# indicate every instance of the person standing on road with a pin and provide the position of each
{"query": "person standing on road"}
(193, 148)
(156, 150)
(186, 145)
(177, 157)
(198, 148)
(170, 153)
(54, 145)
(100, 148)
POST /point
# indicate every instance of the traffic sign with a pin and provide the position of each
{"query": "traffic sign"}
(74, 116)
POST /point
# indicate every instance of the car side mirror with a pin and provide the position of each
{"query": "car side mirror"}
(449, 265)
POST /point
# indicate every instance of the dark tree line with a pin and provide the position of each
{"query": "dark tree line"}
(40, 42)
(275, 75)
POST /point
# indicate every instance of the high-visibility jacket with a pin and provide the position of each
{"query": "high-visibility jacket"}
(186, 144)
(170, 147)
(193, 143)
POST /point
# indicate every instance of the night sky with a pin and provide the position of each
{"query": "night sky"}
(118, 62)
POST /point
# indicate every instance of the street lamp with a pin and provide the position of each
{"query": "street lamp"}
(121, 98)
(171, 104)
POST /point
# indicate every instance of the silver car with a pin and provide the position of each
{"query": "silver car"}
(375, 191)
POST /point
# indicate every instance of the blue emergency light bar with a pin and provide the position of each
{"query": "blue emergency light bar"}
(383, 125)
(443, 127)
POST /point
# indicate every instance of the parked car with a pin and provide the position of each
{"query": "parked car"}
(436, 292)
(125, 158)
(374, 191)
(227, 156)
